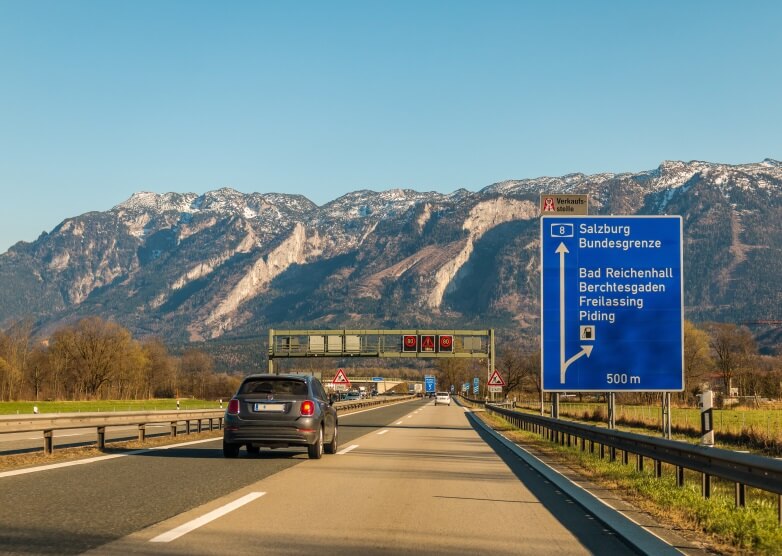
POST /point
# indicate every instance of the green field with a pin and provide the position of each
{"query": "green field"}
(13, 408)
(732, 421)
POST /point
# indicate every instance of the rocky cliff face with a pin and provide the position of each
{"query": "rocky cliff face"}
(227, 264)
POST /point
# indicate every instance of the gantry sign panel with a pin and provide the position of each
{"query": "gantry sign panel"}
(381, 343)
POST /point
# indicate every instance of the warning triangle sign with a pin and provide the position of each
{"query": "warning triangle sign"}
(340, 378)
(496, 379)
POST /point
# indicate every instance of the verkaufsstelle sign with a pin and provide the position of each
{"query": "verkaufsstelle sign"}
(552, 204)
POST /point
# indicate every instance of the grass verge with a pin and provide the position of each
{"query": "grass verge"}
(158, 404)
(753, 529)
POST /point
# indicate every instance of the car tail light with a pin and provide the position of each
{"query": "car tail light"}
(233, 407)
(307, 408)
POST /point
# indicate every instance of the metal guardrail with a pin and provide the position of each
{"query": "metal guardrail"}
(47, 424)
(99, 421)
(742, 469)
(369, 402)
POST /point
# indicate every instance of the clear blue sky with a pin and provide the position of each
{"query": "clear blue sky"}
(101, 99)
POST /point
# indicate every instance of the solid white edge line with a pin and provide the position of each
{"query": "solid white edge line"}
(193, 524)
(346, 450)
(16, 472)
(384, 431)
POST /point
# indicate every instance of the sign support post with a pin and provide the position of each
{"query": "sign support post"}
(612, 410)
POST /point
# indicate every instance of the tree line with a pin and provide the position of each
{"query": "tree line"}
(719, 354)
(97, 359)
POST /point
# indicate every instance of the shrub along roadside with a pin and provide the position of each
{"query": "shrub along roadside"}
(753, 528)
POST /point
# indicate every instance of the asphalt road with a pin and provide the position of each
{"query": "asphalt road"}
(413, 478)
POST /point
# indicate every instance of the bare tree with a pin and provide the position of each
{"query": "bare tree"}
(37, 371)
(452, 372)
(197, 370)
(15, 348)
(697, 360)
(95, 350)
(733, 347)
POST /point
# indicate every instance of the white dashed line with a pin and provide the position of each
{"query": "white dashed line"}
(399, 422)
(384, 431)
(206, 518)
(348, 449)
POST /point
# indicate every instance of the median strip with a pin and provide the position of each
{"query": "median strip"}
(50, 466)
(206, 518)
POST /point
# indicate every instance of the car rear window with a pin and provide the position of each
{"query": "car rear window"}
(277, 387)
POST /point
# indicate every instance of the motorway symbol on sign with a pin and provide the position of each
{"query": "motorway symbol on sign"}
(611, 303)
(495, 379)
(340, 379)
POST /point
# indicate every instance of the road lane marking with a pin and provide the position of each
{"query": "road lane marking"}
(384, 431)
(399, 422)
(348, 449)
(97, 458)
(191, 525)
(381, 406)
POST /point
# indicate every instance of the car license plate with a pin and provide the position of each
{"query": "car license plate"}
(278, 407)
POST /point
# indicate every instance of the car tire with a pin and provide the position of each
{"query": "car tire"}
(315, 450)
(253, 450)
(331, 447)
(230, 450)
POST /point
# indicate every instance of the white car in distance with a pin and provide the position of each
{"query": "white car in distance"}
(442, 398)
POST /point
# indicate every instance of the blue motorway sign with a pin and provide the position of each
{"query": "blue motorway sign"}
(612, 303)
(475, 385)
(429, 383)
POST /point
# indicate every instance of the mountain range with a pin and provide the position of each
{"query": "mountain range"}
(227, 265)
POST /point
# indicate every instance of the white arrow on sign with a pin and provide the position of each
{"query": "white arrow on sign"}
(585, 350)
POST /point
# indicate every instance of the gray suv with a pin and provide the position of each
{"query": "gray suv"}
(277, 411)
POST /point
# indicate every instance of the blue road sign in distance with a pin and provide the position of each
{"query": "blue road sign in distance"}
(429, 383)
(475, 385)
(612, 303)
